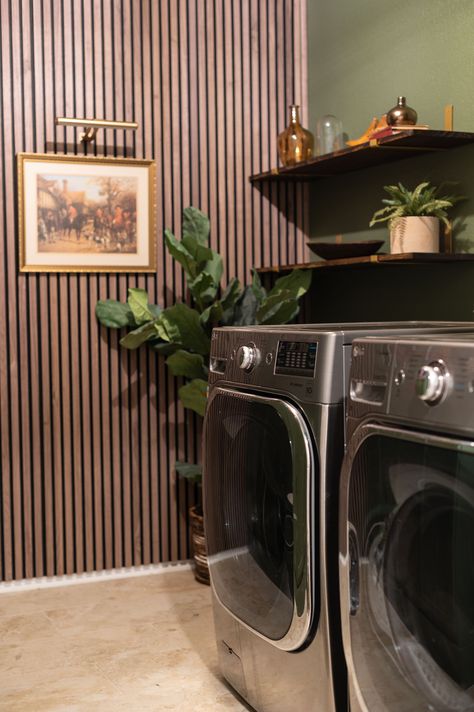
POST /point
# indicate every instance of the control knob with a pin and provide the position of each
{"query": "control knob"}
(431, 382)
(247, 357)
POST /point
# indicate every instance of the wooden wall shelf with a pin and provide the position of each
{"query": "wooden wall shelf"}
(414, 258)
(405, 144)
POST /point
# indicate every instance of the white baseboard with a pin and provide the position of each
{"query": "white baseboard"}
(93, 576)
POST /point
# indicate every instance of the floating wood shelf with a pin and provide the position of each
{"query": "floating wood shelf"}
(414, 258)
(405, 144)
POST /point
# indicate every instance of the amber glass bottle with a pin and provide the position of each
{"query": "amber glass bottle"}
(295, 143)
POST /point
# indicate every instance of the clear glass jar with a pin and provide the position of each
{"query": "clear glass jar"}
(329, 136)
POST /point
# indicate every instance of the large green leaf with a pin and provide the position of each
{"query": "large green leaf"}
(277, 310)
(297, 282)
(246, 308)
(196, 234)
(193, 395)
(183, 363)
(195, 225)
(138, 303)
(180, 324)
(212, 315)
(164, 348)
(181, 254)
(214, 267)
(203, 288)
(191, 472)
(155, 310)
(113, 314)
(231, 293)
(136, 338)
(258, 290)
(272, 304)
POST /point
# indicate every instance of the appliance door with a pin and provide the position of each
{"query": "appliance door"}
(258, 475)
(407, 570)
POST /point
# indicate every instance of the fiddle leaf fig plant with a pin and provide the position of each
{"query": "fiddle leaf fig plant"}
(182, 333)
(422, 200)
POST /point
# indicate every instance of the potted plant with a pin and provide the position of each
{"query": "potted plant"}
(182, 332)
(414, 216)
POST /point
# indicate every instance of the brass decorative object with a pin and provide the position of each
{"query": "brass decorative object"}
(295, 144)
(401, 114)
(375, 127)
(449, 117)
(91, 126)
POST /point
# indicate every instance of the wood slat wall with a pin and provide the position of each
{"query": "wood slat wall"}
(89, 432)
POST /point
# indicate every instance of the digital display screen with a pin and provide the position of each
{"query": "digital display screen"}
(296, 358)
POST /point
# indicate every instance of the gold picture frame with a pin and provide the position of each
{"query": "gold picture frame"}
(86, 214)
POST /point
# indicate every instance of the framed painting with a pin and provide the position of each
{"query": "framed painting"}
(81, 214)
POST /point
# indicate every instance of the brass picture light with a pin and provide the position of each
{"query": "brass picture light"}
(91, 126)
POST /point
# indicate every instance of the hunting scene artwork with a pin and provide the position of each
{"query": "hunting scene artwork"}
(86, 214)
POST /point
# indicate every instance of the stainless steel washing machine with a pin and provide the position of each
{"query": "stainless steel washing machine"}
(273, 445)
(407, 525)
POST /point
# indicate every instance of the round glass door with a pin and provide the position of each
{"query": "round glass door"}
(411, 571)
(257, 476)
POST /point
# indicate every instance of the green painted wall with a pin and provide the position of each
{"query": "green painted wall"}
(362, 55)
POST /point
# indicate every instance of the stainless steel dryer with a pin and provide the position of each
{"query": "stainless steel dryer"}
(273, 445)
(407, 525)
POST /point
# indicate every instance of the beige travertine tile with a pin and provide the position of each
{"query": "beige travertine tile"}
(70, 688)
(27, 601)
(136, 645)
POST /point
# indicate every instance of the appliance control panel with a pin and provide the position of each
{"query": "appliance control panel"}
(296, 358)
(425, 380)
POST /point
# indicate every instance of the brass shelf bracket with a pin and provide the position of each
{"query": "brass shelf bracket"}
(92, 125)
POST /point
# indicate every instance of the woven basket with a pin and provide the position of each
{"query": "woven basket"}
(198, 539)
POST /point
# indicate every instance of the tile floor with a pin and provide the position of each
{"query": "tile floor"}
(137, 644)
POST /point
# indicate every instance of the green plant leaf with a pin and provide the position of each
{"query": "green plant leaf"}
(214, 267)
(136, 338)
(164, 348)
(245, 310)
(181, 254)
(281, 312)
(231, 293)
(382, 215)
(184, 363)
(193, 395)
(155, 310)
(113, 314)
(212, 315)
(203, 288)
(257, 288)
(272, 306)
(195, 225)
(195, 236)
(297, 282)
(418, 191)
(138, 303)
(189, 471)
(181, 325)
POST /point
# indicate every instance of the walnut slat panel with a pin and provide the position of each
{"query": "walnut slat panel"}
(89, 433)
(5, 306)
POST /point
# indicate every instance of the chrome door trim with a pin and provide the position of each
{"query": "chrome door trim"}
(361, 434)
(301, 442)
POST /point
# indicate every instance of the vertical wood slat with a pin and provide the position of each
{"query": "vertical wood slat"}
(88, 432)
